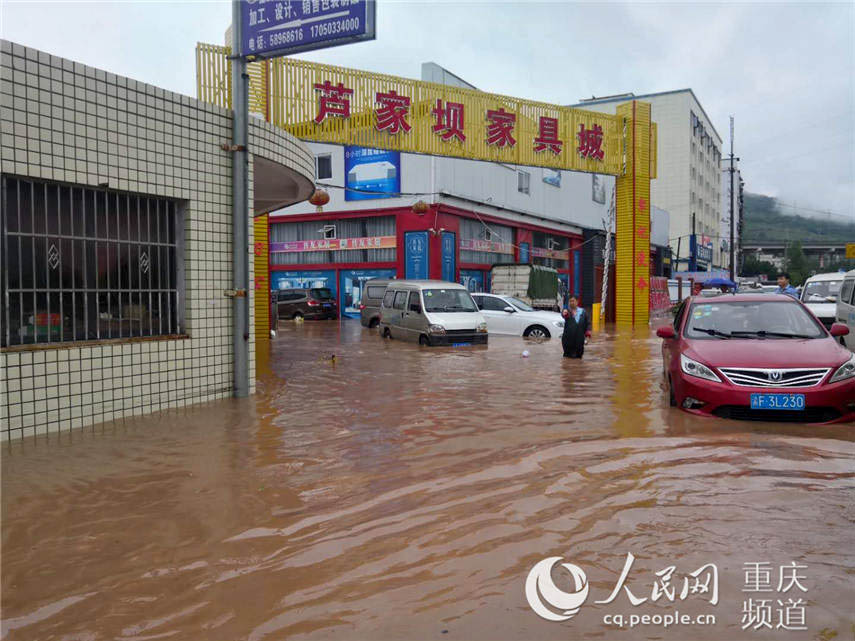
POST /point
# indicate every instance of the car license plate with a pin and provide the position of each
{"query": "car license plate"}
(777, 401)
(461, 344)
(327, 305)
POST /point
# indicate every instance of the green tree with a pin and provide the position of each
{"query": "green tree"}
(797, 263)
(752, 266)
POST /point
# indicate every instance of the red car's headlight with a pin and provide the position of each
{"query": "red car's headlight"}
(694, 368)
(847, 370)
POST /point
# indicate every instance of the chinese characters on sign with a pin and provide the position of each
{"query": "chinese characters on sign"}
(501, 127)
(392, 113)
(334, 101)
(280, 27)
(590, 142)
(449, 121)
(547, 137)
(491, 246)
(789, 612)
(334, 244)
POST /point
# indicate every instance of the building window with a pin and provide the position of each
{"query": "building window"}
(323, 166)
(88, 264)
(523, 182)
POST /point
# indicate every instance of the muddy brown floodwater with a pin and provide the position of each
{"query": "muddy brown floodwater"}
(402, 492)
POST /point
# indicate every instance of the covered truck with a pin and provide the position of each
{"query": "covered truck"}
(538, 286)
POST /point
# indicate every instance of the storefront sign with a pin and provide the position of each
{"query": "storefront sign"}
(371, 173)
(555, 254)
(336, 105)
(493, 247)
(850, 250)
(282, 27)
(334, 244)
(700, 252)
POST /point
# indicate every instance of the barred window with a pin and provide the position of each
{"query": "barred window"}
(81, 263)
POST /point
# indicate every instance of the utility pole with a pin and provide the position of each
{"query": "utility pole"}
(240, 209)
(693, 259)
(730, 246)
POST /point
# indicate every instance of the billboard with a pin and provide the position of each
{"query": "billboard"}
(290, 26)
(371, 173)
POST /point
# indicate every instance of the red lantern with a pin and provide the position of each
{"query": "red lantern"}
(319, 199)
(420, 208)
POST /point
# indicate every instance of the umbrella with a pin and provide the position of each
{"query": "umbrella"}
(718, 282)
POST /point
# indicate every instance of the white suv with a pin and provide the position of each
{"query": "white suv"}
(820, 295)
(509, 315)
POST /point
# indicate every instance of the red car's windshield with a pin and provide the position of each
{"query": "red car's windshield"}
(751, 319)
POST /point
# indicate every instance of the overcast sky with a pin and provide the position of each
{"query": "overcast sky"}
(785, 71)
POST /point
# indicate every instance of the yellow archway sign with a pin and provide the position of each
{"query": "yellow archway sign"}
(323, 103)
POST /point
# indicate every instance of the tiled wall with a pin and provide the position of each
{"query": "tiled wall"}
(63, 121)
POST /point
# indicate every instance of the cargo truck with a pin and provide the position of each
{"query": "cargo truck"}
(536, 285)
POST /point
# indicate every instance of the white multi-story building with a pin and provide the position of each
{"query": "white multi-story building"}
(726, 182)
(688, 183)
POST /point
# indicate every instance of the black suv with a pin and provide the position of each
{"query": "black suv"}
(317, 302)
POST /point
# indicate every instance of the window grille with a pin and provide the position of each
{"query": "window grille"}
(82, 263)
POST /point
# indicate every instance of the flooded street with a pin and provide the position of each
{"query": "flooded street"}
(399, 492)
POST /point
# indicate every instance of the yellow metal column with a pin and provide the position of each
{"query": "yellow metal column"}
(632, 226)
(261, 277)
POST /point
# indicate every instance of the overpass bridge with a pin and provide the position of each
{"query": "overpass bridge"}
(774, 252)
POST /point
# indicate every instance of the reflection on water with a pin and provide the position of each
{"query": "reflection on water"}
(378, 490)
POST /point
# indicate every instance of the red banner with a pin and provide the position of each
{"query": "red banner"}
(660, 298)
(558, 254)
(494, 247)
(334, 244)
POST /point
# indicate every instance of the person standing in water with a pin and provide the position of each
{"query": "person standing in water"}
(575, 329)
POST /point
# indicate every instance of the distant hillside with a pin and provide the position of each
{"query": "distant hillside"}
(765, 222)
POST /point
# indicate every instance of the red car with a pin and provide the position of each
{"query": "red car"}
(757, 357)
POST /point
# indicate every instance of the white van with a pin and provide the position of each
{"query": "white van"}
(819, 294)
(845, 313)
(432, 312)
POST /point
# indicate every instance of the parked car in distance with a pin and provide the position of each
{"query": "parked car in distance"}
(432, 312)
(311, 303)
(845, 310)
(372, 297)
(819, 294)
(757, 357)
(509, 315)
